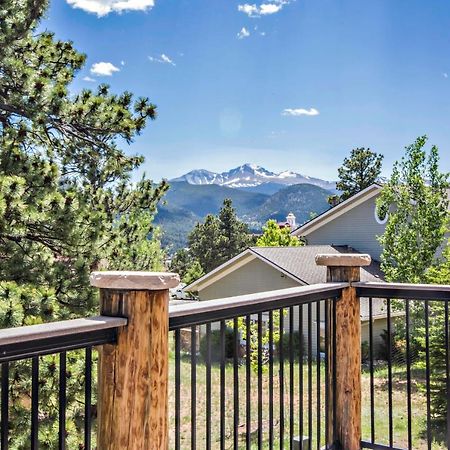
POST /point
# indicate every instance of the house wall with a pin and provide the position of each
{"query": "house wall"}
(378, 326)
(356, 228)
(255, 276)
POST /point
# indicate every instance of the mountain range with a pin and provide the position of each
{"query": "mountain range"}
(251, 176)
(257, 194)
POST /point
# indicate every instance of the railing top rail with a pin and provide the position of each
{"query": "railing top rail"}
(226, 308)
(403, 290)
(58, 329)
(54, 337)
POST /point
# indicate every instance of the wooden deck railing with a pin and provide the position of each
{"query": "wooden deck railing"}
(279, 369)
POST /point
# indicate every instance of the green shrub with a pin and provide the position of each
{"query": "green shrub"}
(297, 341)
(215, 345)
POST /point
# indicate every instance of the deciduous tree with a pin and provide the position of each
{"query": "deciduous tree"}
(415, 198)
(274, 236)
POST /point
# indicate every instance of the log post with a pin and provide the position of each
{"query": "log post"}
(344, 351)
(133, 374)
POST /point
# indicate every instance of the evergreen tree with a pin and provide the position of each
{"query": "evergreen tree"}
(67, 206)
(274, 236)
(186, 266)
(358, 171)
(218, 238)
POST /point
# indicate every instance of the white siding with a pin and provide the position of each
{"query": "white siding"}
(356, 228)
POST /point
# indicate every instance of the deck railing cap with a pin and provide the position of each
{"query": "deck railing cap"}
(129, 280)
(343, 259)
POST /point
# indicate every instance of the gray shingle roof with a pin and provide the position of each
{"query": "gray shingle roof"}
(300, 262)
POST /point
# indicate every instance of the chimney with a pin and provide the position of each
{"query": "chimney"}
(290, 219)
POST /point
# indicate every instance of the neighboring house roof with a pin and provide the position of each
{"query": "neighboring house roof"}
(300, 262)
(336, 211)
(296, 262)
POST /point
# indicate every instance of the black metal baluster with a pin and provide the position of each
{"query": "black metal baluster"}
(372, 386)
(248, 387)
(193, 387)
(271, 438)
(34, 403)
(389, 330)
(300, 375)
(5, 407)
(62, 402)
(260, 422)
(318, 371)
(236, 382)
(310, 374)
(208, 386)
(281, 373)
(427, 362)
(222, 385)
(291, 377)
(327, 385)
(408, 374)
(447, 369)
(177, 389)
(88, 398)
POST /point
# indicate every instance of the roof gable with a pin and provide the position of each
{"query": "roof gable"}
(338, 210)
(297, 263)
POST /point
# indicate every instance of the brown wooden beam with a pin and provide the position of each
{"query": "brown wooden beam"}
(344, 351)
(133, 374)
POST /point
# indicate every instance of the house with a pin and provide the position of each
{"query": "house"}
(354, 222)
(260, 269)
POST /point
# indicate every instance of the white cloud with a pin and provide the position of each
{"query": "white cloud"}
(270, 8)
(104, 7)
(250, 10)
(91, 80)
(163, 59)
(105, 69)
(244, 33)
(445, 75)
(300, 112)
(122, 63)
(264, 9)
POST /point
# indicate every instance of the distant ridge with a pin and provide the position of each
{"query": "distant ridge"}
(186, 204)
(251, 175)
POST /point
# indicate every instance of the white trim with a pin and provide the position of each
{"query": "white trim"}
(377, 217)
(233, 264)
(338, 210)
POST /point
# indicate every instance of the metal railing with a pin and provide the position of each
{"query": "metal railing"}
(260, 357)
(254, 371)
(22, 355)
(412, 375)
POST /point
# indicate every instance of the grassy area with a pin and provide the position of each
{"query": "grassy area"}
(381, 406)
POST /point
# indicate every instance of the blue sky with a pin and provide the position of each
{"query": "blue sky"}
(284, 84)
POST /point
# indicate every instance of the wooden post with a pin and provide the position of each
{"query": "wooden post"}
(133, 374)
(344, 412)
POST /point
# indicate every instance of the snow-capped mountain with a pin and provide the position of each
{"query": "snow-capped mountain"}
(251, 175)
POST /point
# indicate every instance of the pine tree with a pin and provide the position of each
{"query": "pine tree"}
(67, 205)
(218, 238)
(358, 171)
